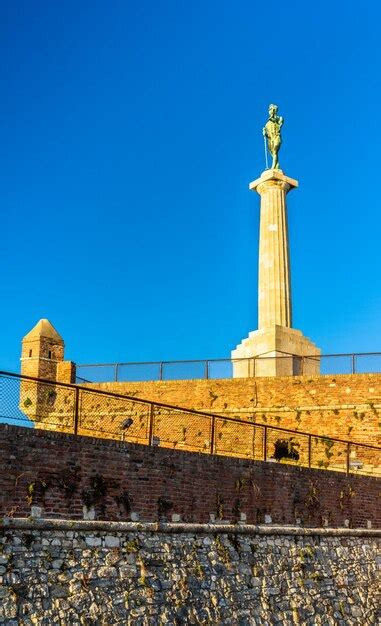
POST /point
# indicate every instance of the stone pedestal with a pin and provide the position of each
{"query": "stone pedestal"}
(275, 349)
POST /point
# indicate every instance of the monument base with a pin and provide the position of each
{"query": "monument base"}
(275, 351)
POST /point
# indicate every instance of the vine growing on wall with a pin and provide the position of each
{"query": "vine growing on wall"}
(346, 494)
(286, 449)
(219, 506)
(163, 508)
(96, 493)
(36, 488)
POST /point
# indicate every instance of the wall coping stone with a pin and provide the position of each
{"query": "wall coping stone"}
(302, 377)
(178, 528)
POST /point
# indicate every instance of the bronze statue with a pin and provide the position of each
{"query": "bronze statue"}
(272, 132)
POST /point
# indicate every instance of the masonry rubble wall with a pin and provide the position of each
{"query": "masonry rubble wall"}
(72, 476)
(72, 572)
(342, 406)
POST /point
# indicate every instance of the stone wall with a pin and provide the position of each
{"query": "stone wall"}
(141, 575)
(67, 475)
(343, 406)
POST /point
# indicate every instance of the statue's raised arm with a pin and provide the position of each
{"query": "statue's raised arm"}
(272, 132)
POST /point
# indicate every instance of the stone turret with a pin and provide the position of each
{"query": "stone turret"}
(42, 356)
(42, 351)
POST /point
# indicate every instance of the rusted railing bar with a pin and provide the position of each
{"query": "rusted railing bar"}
(265, 443)
(213, 435)
(151, 424)
(76, 410)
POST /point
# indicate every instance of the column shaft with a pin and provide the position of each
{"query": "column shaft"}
(274, 289)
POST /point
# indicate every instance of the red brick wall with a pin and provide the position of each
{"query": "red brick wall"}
(61, 472)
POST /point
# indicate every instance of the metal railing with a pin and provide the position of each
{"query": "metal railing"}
(91, 412)
(354, 363)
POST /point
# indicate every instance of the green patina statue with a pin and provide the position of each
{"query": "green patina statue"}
(272, 132)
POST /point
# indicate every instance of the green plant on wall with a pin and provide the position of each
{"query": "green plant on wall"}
(96, 494)
(236, 510)
(311, 502)
(345, 496)
(222, 550)
(51, 397)
(131, 546)
(322, 464)
(163, 507)
(360, 415)
(286, 449)
(328, 445)
(213, 397)
(219, 506)
(32, 488)
(68, 480)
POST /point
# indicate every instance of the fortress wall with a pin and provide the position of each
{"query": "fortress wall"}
(73, 573)
(64, 473)
(342, 406)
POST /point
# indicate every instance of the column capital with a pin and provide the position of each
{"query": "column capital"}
(273, 178)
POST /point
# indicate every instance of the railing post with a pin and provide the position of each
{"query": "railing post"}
(353, 364)
(76, 411)
(348, 456)
(116, 372)
(206, 369)
(213, 435)
(309, 450)
(302, 366)
(265, 443)
(254, 366)
(161, 371)
(151, 418)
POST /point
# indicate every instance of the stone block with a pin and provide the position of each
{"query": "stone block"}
(112, 542)
(275, 351)
(88, 513)
(93, 542)
(36, 511)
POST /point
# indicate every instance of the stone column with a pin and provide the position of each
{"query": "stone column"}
(274, 289)
(275, 349)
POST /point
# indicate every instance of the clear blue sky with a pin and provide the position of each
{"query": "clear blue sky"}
(129, 132)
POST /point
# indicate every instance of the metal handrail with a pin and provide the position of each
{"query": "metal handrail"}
(161, 365)
(285, 356)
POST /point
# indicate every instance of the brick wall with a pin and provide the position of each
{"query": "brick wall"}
(343, 406)
(63, 473)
